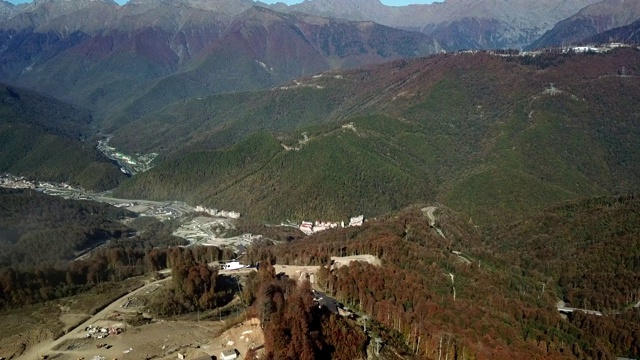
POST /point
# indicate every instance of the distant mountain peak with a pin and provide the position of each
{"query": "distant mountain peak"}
(344, 9)
(233, 7)
(62, 15)
(60, 7)
(7, 10)
(345, 3)
(458, 24)
(77, 3)
(261, 13)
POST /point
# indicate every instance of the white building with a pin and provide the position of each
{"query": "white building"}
(356, 221)
(306, 227)
(228, 355)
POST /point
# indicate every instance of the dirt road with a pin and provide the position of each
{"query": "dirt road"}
(428, 211)
(47, 346)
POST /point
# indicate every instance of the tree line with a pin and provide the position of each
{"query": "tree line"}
(23, 287)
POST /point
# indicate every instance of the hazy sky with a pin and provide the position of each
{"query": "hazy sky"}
(386, 2)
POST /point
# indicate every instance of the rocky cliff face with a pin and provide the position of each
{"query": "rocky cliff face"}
(7, 10)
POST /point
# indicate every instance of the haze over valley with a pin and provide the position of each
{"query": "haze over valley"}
(222, 179)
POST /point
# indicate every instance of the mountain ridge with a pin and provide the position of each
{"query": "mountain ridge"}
(623, 34)
(459, 24)
(590, 21)
(177, 49)
(483, 134)
(45, 139)
(174, 44)
(7, 10)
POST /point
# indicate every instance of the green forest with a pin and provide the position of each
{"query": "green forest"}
(48, 140)
(31, 221)
(43, 238)
(497, 139)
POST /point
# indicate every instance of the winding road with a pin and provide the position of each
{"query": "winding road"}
(429, 212)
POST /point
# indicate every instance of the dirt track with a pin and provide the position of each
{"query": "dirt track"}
(161, 337)
(345, 260)
(47, 346)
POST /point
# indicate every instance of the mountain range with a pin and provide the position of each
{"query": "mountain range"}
(589, 22)
(457, 24)
(122, 62)
(178, 76)
(174, 49)
(262, 48)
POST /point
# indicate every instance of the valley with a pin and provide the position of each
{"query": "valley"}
(200, 233)
(129, 165)
(496, 168)
(231, 179)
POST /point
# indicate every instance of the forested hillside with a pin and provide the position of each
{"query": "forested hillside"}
(42, 238)
(296, 328)
(496, 138)
(222, 120)
(39, 230)
(48, 140)
(19, 106)
(339, 175)
(589, 250)
(459, 296)
(31, 221)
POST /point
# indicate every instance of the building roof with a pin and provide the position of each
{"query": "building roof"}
(231, 354)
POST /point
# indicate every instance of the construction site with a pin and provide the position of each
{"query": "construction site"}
(210, 231)
(125, 329)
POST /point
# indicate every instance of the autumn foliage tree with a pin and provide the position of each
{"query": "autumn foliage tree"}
(503, 308)
(297, 329)
(195, 285)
